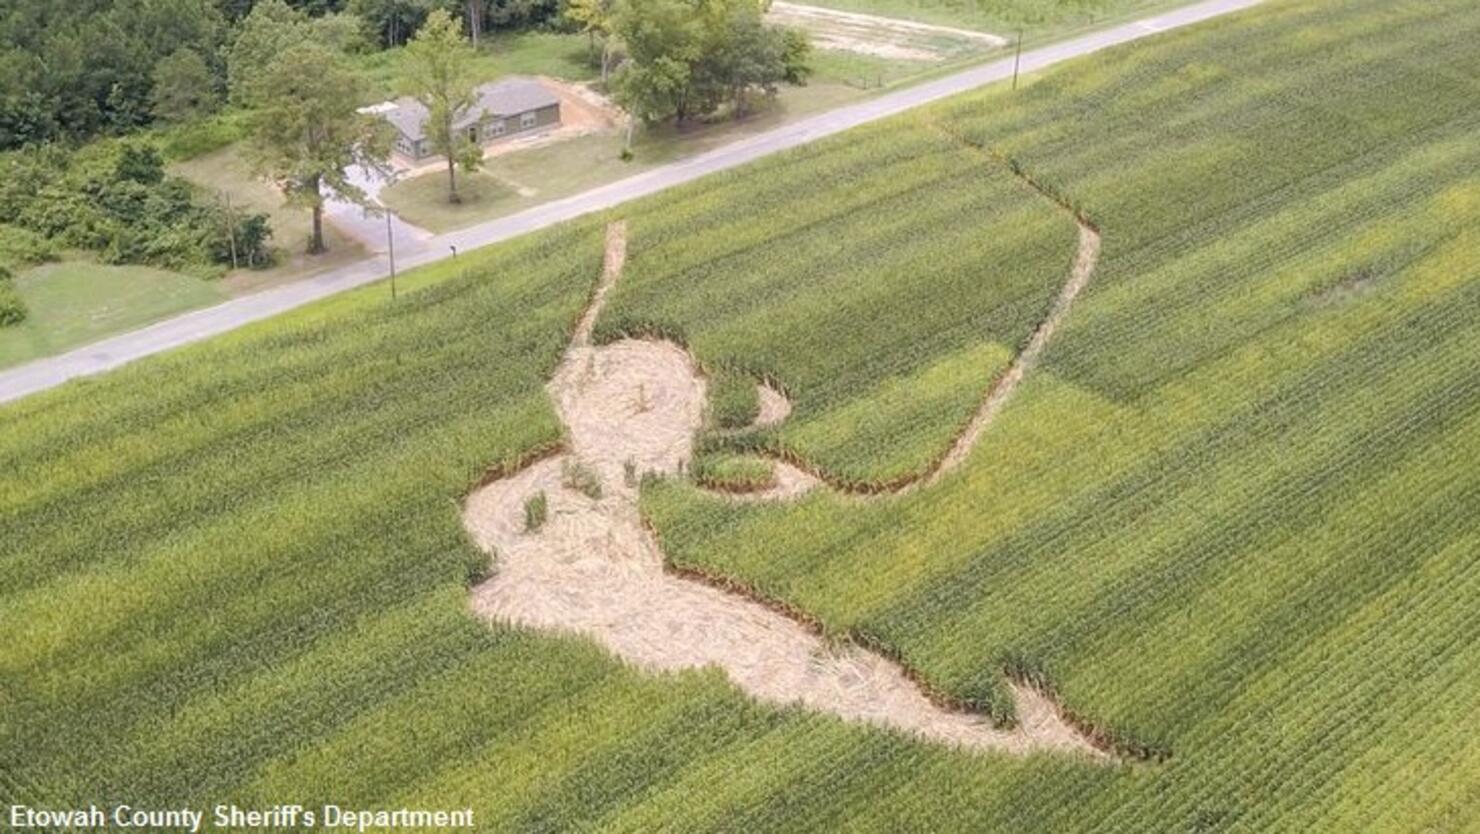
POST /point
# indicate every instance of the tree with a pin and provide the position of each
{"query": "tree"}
(439, 76)
(504, 14)
(183, 86)
(746, 55)
(393, 21)
(688, 58)
(663, 45)
(594, 17)
(475, 19)
(71, 70)
(12, 308)
(264, 34)
(272, 28)
(305, 130)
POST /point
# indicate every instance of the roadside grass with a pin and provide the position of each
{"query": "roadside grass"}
(864, 72)
(883, 37)
(224, 174)
(73, 302)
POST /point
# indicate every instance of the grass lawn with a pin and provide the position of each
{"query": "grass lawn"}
(575, 165)
(225, 174)
(1039, 20)
(422, 200)
(76, 302)
(862, 71)
(521, 53)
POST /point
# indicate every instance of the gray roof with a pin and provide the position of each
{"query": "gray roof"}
(503, 98)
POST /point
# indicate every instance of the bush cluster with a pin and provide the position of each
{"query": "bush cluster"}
(114, 198)
(12, 309)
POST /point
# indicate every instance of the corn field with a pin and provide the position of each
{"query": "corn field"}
(1231, 520)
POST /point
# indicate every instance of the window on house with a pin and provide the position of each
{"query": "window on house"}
(496, 128)
(526, 120)
(473, 134)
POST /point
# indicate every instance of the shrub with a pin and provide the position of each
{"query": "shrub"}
(580, 478)
(22, 247)
(189, 140)
(536, 507)
(12, 309)
(114, 198)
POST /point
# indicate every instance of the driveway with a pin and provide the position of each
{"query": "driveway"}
(369, 226)
(201, 324)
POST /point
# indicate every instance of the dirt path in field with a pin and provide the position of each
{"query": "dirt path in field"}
(1003, 387)
(591, 567)
(794, 478)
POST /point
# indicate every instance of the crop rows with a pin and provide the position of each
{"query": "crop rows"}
(1257, 422)
(884, 335)
(1230, 518)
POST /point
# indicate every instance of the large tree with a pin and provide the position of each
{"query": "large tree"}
(688, 58)
(745, 55)
(594, 17)
(439, 75)
(272, 27)
(184, 87)
(663, 45)
(306, 132)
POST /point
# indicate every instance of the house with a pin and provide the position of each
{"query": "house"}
(501, 109)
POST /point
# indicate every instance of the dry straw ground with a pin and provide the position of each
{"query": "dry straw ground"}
(592, 568)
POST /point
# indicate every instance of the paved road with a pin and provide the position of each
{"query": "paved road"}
(200, 324)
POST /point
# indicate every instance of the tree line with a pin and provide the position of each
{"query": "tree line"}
(80, 68)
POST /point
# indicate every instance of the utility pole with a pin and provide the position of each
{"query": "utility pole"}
(390, 248)
(1017, 59)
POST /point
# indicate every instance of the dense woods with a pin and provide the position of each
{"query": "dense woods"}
(73, 70)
